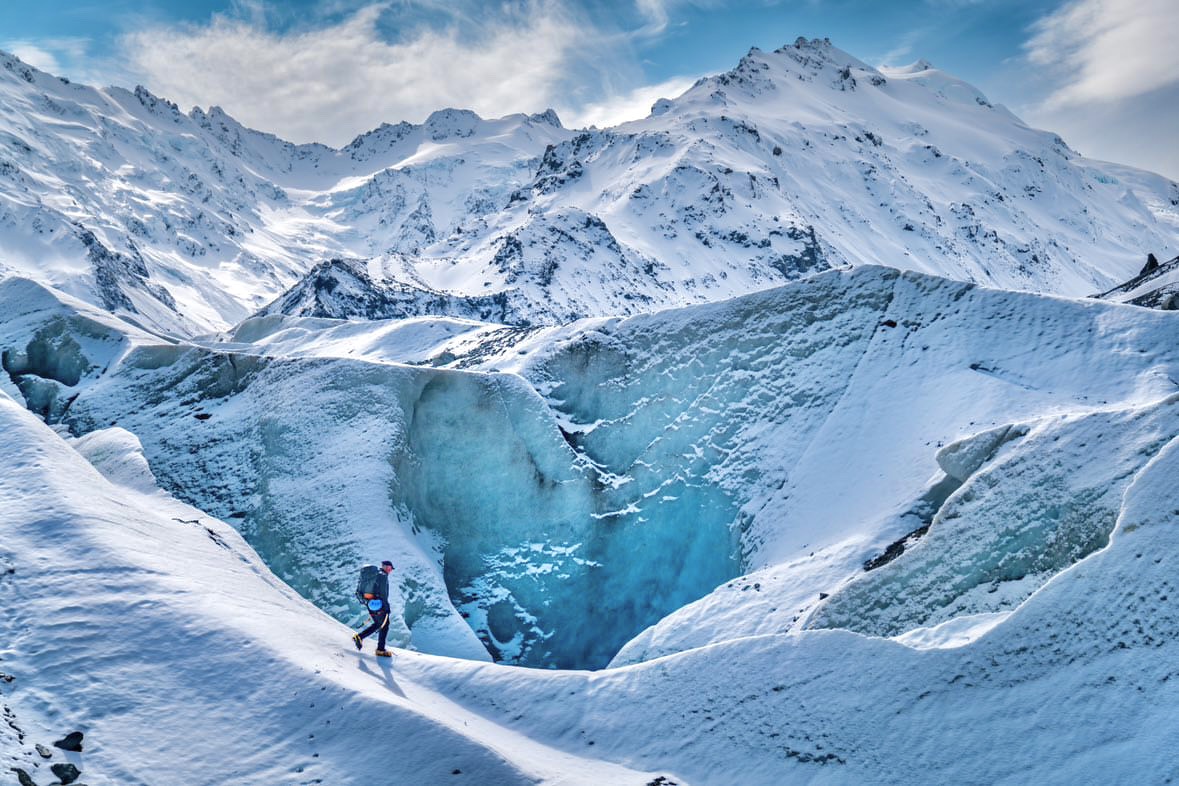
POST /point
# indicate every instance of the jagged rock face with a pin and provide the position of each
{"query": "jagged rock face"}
(793, 162)
(344, 289)
(1156, 286)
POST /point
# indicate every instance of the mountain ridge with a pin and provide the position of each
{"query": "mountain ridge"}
(795, 161)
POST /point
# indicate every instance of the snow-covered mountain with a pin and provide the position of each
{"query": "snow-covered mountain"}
(191, 222)
(796, 161)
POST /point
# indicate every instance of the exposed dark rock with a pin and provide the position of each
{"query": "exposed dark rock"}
(814, 758)
(810, 259)
(70, 742)
(23, 777)
(66, 773)
(1156, 286)
(895, 549)
(343, 289)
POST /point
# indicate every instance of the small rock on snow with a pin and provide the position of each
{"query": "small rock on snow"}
(23, 778)
(71, 742)
(66, 773)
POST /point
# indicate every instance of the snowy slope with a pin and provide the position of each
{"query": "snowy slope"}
(154, 629)
(753, 454)
(796, 161)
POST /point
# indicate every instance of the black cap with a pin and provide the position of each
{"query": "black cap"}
(386, 562)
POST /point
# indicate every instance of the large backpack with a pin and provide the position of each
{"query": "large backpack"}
(367, 587)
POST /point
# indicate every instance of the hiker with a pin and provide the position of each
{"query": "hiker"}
(373, 591)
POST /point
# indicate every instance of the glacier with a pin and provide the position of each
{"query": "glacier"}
(176, 600)
(550, 497)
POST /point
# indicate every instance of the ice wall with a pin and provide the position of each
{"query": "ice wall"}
(506, 540)
(1045, 502)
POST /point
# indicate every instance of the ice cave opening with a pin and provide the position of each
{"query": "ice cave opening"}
(554, 561)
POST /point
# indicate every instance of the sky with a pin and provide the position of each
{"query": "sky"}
(1102, 73)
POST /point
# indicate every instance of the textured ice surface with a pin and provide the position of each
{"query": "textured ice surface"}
(1076, 685)
(1048, 501)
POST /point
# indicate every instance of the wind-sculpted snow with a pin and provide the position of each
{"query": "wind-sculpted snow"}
(719, 468)
(1075, 685)
(796, 161)
(985, 477)
(1051, 499)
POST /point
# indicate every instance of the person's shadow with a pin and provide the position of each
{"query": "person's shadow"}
(386, 667)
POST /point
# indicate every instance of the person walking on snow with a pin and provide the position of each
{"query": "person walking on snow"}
(373, 591)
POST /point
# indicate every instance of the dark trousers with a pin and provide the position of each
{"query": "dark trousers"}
(380, 626)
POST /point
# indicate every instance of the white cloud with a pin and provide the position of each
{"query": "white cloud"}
(1106, 50)
(331, 82)
(1139, 131)
(902, 50)
(1107, 77)
(656, 12)
(51, 55)
(34, 55)
(631, 105)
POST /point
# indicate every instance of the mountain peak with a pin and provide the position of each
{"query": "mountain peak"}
(154, 103)
(19, 67)
(548, 117)
(913, 68)
(450, 123)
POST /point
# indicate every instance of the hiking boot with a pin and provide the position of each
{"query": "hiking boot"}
(384, 654)
(359, 642)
